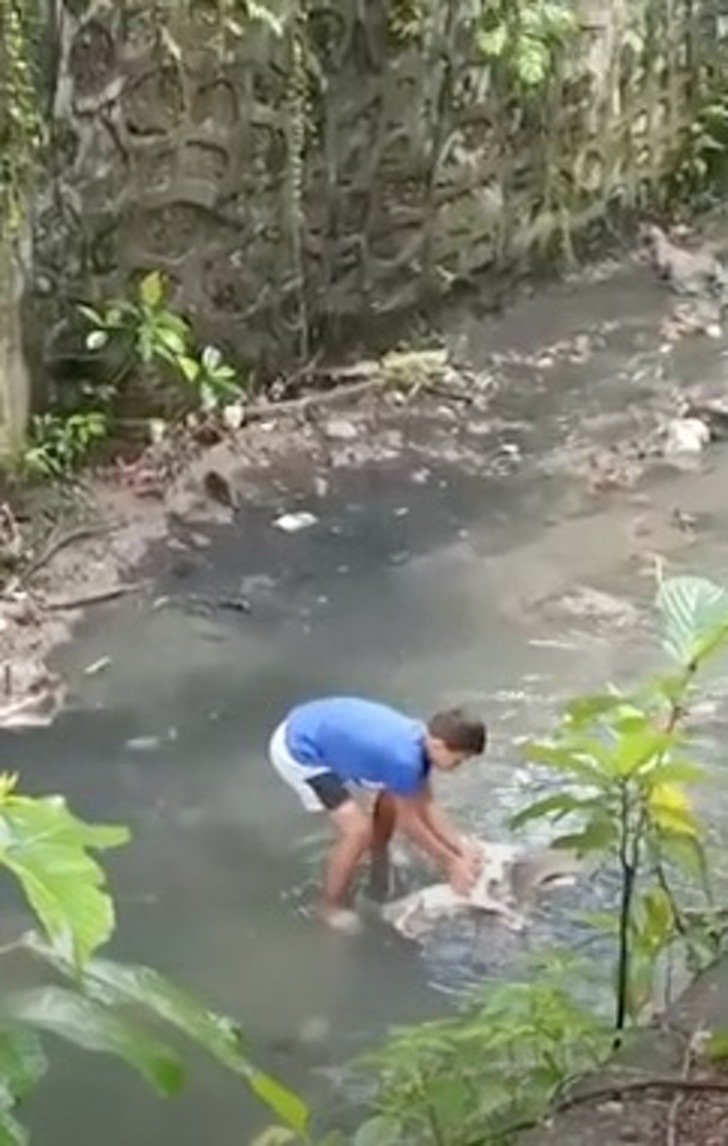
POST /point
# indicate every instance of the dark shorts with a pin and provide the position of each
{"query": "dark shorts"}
(330, 790)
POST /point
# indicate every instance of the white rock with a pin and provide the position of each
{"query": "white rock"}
(686, 436)
(233, 415)
(292, 522)
(341, 430)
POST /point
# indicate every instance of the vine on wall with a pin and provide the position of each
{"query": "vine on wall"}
(21, 123)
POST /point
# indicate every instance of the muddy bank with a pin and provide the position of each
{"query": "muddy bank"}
(683, 1109)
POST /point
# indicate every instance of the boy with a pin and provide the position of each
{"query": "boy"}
(335, 751)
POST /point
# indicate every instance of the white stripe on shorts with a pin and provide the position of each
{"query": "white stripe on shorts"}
(294, 773)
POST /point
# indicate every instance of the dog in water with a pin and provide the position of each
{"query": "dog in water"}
(508, 886)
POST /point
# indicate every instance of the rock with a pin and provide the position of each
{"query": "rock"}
(341, 430)
(219, 489)
(293, 522)
(686, 436)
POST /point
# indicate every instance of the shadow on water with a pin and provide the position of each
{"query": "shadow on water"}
(421, 595)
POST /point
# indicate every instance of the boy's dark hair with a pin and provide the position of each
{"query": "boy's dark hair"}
(458, 732)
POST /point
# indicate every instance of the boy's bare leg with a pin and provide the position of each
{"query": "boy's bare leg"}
(354, 838)
(384, 819)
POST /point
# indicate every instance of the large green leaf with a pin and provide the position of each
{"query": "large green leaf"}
(93, 1028)
(47, 848)
(118, 984)
(122, 984)
(694, 615)
(555, 807)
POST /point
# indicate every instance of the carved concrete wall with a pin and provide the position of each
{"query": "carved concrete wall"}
(175, 141)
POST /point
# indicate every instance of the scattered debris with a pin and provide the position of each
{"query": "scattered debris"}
(699, 316)
(293, 522)
(687, 272)
(30, 695)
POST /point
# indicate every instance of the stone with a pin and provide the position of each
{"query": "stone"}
(341, 430)
(686, 436)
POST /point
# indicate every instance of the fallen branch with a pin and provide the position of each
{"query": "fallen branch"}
(317, 398)
(57, 543)
(84, 601)
(412, 371)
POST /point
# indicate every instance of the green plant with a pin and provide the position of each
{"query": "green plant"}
(58, 446)
(52, 854)
(526, 35)
(483, 1074)
(158, 334)
(622, 762)
(211, 377)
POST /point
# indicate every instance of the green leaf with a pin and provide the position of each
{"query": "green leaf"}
(598, 835)
(47, 848)
(275, 1136)
(93, 1028)
(22, 1062)
(584, 710)
(151, 290)
(694, 615)
(92, 315)
(639, 748)
(717, 1048)
(11, 1132)
(121, 984)
(171, 340)
(278, 1098)
(381, 1130)
(566, 760)
(677, 772)
(190, 367)
(556, 806)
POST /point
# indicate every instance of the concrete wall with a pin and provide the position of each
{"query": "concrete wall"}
(421, 164)
(14, 376)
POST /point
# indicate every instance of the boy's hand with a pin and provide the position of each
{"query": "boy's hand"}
(462, 876)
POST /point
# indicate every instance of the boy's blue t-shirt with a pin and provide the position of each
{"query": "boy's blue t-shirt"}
(360, 741)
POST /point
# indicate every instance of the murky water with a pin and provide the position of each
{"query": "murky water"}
(461, 588)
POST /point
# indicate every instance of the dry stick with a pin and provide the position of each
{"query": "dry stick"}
(57, 543)
(672, 1114)
(83, 602)
(320, 398)
(341, 393)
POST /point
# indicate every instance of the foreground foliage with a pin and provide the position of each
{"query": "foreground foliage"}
(87, 1001)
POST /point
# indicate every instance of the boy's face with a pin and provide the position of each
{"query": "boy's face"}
(443, 758)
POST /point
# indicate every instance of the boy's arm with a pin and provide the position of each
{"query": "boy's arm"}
(442, 826)
(413, 821)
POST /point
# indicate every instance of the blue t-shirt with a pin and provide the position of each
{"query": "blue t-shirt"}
(362, 742)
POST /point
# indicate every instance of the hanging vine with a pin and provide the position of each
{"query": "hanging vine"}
(21, 124)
